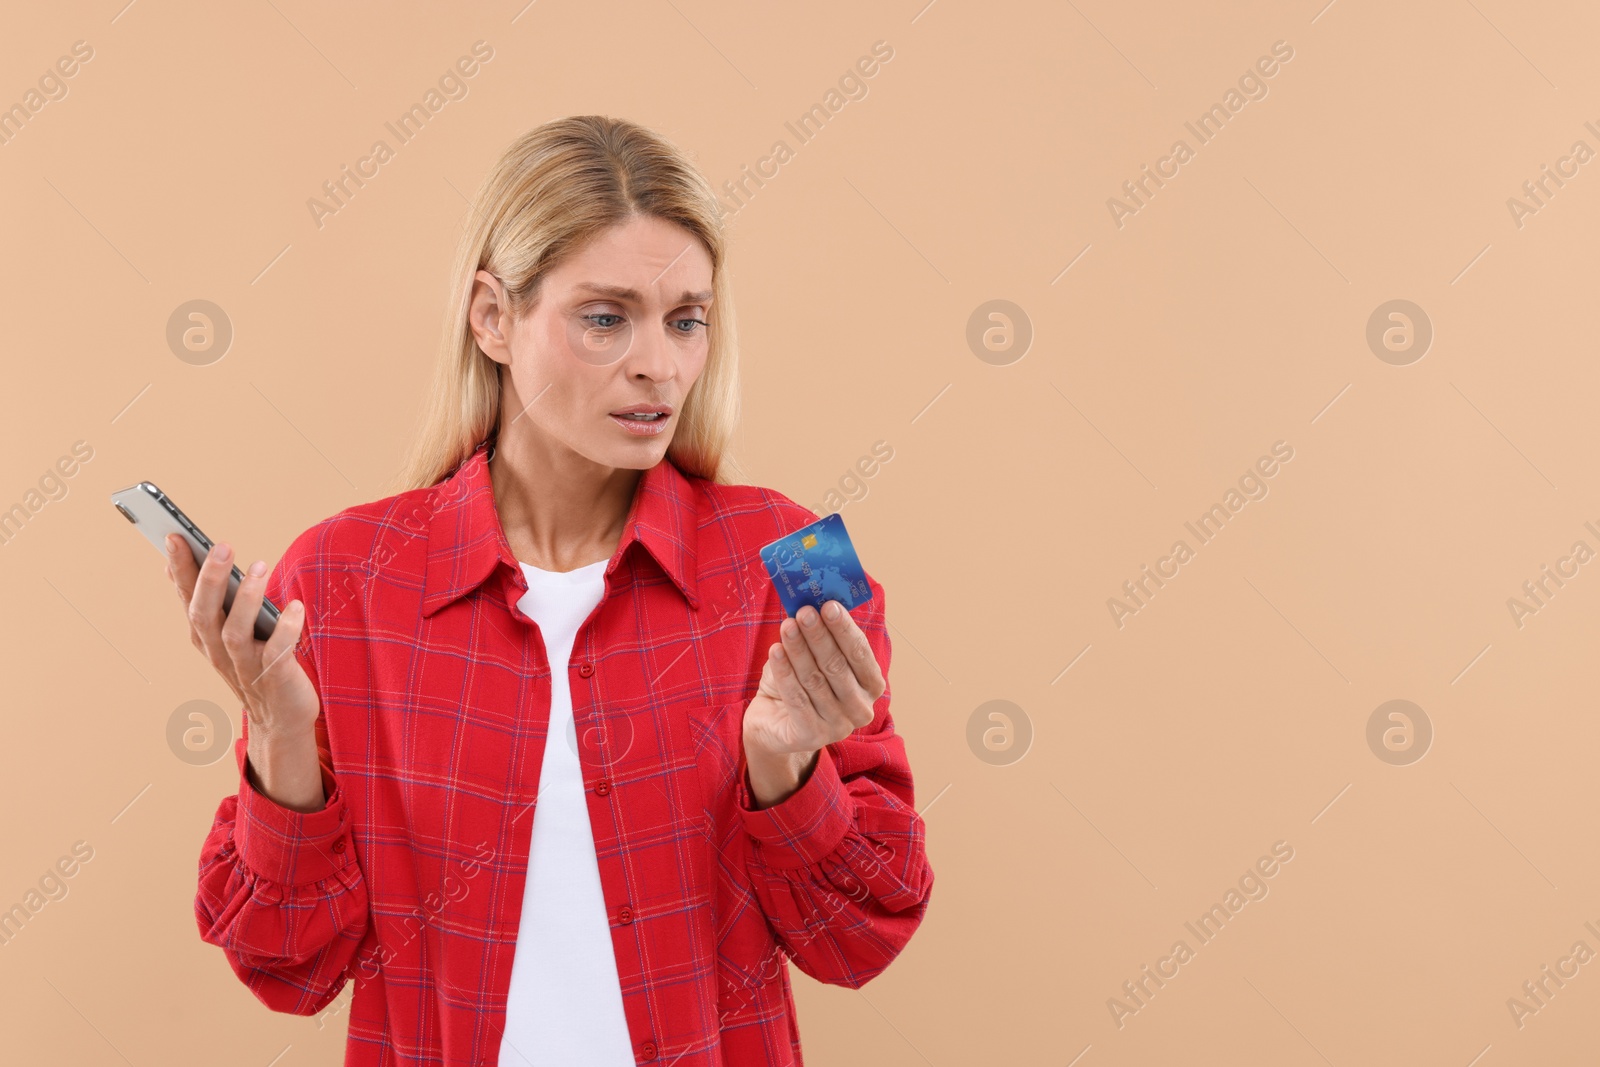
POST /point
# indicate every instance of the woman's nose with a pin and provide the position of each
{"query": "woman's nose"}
(651, 355)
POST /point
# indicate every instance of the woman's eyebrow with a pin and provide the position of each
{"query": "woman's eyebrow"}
(621, 292)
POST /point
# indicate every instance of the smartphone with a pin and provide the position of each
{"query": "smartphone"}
(156, 516)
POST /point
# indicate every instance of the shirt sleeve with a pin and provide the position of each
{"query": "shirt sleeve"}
(281, 891)
(839, 866)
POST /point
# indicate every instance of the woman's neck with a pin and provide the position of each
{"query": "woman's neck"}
(560, 511)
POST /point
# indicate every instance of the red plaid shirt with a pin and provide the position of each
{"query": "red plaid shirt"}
(435, 693)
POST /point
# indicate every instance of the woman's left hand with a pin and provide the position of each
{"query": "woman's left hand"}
(818, 686)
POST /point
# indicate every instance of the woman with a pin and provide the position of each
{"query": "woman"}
(550, 775)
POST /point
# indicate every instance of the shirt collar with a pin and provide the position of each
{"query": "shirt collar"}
(466, 540)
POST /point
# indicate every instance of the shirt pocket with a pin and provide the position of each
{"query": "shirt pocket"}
(706, 742)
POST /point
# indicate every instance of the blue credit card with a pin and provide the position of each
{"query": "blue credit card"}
(815, 564)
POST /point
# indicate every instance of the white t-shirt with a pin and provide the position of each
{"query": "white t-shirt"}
(565, 1001)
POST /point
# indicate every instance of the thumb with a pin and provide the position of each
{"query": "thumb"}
(285, 635)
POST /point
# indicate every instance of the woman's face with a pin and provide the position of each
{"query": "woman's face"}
(620, 323)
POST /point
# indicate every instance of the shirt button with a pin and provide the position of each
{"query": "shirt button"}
(648, 1050)
(625, 915)
(585, 669)
(338, 846)
(602, 787)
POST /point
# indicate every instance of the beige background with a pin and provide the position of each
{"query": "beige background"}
(1229, 313)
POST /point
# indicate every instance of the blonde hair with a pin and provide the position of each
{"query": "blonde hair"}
(554, 188)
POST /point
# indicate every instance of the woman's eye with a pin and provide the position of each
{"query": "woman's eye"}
(692, 324)
(602, 315)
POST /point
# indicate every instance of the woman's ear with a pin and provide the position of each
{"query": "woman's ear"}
(488, 317)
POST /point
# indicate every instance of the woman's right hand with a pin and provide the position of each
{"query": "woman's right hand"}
(265, 675)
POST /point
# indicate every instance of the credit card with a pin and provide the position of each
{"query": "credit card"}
(815, 564)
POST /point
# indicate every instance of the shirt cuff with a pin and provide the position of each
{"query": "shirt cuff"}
(290, 847)
(805, 826)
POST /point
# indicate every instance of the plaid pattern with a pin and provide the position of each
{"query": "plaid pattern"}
(435, 695)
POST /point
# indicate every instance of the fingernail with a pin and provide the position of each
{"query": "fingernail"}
(831, 609)
(258, 568)
(808, 618)
(220, 552)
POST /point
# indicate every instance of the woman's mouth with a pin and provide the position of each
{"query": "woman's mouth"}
(641, 424)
